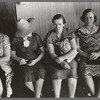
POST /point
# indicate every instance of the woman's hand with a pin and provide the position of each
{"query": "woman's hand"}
(32, 63)
(22, 61)
(59, 60)
(6, 67)
(94, 56)
(65, 65)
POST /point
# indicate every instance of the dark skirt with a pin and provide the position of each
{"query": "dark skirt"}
(57, 72)
(3, 79)
(33, 73)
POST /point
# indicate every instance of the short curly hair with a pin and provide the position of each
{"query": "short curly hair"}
(59, 16)
(85, 12)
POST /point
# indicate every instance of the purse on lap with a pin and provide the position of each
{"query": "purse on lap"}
(64, 47)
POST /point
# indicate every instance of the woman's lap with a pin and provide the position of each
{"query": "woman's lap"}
(90, 69)
(35, 72)
(57, 72)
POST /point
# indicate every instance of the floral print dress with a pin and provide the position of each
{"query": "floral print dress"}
(4, 43)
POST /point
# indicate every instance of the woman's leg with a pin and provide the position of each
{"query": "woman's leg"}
(72, 82)
(90, 83)
(1, 88)
(30, 86)
(98, 88)
(57, 87)
(38, 87)
(8, 84)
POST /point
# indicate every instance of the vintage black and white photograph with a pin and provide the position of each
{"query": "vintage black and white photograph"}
(49, 49)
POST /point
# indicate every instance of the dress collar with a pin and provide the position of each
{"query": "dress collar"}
(63, 34)
(84, 29)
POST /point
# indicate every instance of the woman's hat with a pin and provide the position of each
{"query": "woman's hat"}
(25, 27)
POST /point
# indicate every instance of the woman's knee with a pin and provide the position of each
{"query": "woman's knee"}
(73, 64)
(28, 84)
(41, 80)
(57, 82)
(1, 88)
(87, 77)
(39, 83)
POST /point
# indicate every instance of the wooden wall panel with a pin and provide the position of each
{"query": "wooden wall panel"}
(44, 11)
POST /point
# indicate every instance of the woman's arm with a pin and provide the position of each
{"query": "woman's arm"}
(51, 51)
(81, 52)
(41, 54)
(14, 56)
(70, 53)
(33, 62)
(6, 56)
(21, 61)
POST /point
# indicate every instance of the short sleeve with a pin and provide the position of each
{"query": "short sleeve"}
(39, 41)
(51, 38)
(13, 46)
(77, 33)
(49, 41)
(72, 35)
(6, 41)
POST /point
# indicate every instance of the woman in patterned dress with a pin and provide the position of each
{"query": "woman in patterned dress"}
(59, 66)
(5, 69)
(88, 41)
(28, 50)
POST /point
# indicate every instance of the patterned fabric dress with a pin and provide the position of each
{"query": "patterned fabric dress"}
(4, 43)
(55, 70)
(37, 71)
(89, 43)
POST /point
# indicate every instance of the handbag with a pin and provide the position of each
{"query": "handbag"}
(64, 47)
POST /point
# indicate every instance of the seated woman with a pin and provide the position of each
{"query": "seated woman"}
(88, 42)
(6, 73)
(28, 50)
(61, 46)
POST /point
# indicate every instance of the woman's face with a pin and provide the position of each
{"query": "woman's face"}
(58, 25)
(89, 19)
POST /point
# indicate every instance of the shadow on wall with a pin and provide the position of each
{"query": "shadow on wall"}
(8, 27)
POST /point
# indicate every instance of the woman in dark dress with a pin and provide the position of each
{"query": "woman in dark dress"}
(59, 65)
(88, 42)
(28, 50)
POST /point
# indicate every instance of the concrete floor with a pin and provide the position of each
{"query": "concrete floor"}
(20, 91)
